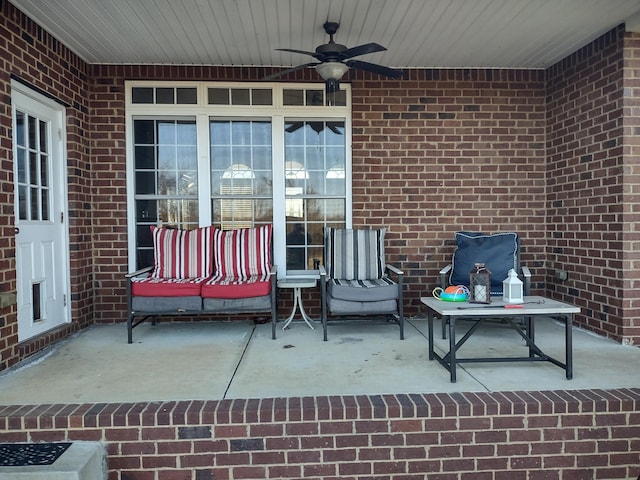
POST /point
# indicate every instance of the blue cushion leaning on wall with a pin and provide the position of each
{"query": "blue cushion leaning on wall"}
(500, 252)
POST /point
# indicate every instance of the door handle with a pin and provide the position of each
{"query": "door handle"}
(16, 230)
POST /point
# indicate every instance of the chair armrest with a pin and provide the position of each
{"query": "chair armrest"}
(446, 270)
(444, 273)
(139, 272)
(273, 271)
(394, 269)
(526, 274)
(322, 272)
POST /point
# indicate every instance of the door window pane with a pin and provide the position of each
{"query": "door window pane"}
(32, 167)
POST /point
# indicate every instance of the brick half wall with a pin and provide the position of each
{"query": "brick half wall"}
(582, 434)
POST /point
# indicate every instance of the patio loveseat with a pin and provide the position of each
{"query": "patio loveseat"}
(204, 271)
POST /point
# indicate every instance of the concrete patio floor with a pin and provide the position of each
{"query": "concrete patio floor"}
(207, 360)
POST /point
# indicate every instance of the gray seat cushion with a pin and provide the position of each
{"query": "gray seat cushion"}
(343, 307)
(232, 305)
(373, 290)
(166, 304)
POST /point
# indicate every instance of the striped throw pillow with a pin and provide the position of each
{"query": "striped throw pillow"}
(244, 252)
(182, 253)
(354, 254)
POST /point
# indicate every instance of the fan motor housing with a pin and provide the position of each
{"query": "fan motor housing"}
(330, 48)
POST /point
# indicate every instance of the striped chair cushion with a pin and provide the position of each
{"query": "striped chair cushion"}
(182, 253)
(372, 290)
(244, 252)
(166, 287)
(354, 254)
(219, 286)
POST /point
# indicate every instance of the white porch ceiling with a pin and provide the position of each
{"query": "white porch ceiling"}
(417, 33)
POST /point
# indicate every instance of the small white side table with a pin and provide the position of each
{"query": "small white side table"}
(297, 284)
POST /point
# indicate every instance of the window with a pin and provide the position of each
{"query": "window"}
(241, 173)
(166, 179)
(238, 155)
(314, 194)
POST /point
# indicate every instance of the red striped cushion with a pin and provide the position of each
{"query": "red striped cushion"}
(182, 253)
(167, 287)
(236, 287)
(244, 252)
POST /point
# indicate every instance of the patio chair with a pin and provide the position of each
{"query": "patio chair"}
(499, 252)
(355, 280)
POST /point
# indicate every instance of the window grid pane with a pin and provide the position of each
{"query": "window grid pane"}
(166, 181)
(241, 173)
(315, 187)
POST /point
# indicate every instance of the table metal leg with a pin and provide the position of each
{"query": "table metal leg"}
(308, 320)
(531, 333)
(297, 304)
(452, 348)
(568, 328)
(430, 332)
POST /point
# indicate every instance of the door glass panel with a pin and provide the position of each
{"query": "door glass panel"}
(33, 166)
(34, 203)
(45, 204)
(22, 202)
(44, 170)
(44, 148)
(20, 129)
(33, 133)
(32, 157)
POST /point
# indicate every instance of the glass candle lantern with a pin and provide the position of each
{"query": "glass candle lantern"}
(512, 288)
(480, 284)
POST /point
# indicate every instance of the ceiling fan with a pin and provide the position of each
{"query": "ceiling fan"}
(334, 60)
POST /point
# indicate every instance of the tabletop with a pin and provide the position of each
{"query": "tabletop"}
(299, 282)
(532, 305)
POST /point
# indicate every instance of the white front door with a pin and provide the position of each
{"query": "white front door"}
(42, 261)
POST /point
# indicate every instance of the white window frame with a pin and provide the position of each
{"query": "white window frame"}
(202, 112)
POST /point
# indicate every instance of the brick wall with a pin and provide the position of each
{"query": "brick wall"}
(568, 435)
(449, 150)
(31, 55)
(445, 151)
(592, 183)
(631, 192)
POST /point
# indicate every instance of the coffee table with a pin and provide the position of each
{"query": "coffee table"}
(533, 308)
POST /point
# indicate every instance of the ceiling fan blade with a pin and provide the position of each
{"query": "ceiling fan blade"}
(362, 50)
(292, 127)
(288, 70)
(303, 52)
(378, 69)
(334, 127)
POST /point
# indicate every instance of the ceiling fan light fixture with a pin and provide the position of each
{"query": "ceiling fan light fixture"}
(331, 70)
